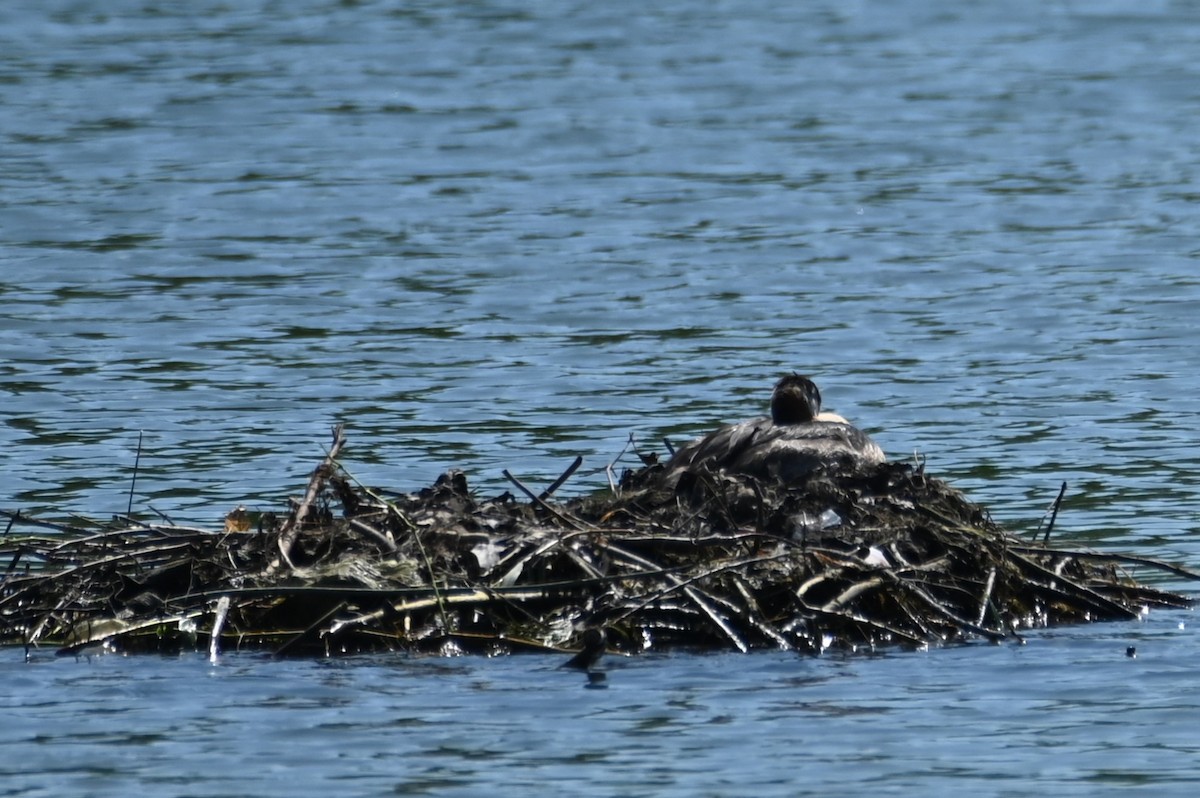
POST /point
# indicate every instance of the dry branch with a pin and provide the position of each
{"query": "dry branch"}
(291, 527)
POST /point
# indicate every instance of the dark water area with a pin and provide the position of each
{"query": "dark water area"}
(495, 235)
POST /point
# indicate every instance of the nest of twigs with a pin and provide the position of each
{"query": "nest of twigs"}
(843, 559)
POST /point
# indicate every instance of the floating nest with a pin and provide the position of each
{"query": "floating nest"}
(842, 559)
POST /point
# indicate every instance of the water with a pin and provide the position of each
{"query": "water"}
(1068, 713)
(497, 235)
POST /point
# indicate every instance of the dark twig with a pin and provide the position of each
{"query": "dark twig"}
(1053, 515)
(571, 469)
(137, 459)
(539, 501)
(1129, 559)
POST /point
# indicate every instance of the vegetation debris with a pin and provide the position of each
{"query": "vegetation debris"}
(842, 559)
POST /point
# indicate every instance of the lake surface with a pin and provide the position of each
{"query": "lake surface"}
(495, 235)
(1068, 714)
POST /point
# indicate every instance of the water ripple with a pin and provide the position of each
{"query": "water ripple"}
(493, 236)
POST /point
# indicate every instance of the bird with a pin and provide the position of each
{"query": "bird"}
(796, 439)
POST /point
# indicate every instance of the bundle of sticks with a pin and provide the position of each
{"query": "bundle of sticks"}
(849, 560)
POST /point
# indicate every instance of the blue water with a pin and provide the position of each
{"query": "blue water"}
(498, 235)
(994, 720)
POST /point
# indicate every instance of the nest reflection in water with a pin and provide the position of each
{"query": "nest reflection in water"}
(841, 559)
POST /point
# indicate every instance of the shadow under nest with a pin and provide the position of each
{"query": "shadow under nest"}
(843, 559)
